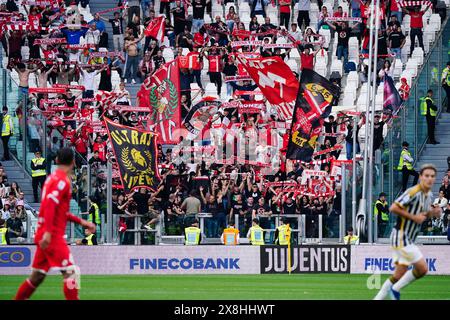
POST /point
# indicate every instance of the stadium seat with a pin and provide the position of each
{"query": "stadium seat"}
(418, 55)
(398, 67)
(435, 20)
(327, 36)
(293, 65)
(337, 65)
(168, 54)
(243, 9)
(412, 66)
(321, 68)
(211, 90)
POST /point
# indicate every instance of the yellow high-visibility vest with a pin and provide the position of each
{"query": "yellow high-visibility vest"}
(192, 236)
(353, 239)
(3, 232)
(424, 107)
(38, 172)
(384, 216)
(89, 240)
(284, 234)
(408, 165)
(257, 236)
(97, 219)
(7, 129)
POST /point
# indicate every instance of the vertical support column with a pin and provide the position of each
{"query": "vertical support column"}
(343, 202)
(24, 132)
(4, 76)
(354, 208)
(109, 223)
(320, 227)
(299, 227)
(303, 228)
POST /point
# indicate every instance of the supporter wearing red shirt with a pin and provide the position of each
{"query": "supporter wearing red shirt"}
(416, 26)
(51, 248)
(307, 59)
(100, 146)
(285, 13)
(215, 60)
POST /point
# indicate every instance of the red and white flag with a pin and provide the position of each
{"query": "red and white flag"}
(156, 29)
(161, 94)
(276, 81)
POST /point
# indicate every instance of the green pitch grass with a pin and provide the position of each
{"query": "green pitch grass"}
(212, 287)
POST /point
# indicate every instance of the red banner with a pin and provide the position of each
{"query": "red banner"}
(47, 90)
(275, 79)
(69, 86)
(161, 93)
(156, 29)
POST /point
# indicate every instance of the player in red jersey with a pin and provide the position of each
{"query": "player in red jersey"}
(52, 250)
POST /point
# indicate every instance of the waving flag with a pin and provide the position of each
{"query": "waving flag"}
(276, 81)
(392, 99)
(156, 29)
(137, 156)
(161, 93)
(314, 100)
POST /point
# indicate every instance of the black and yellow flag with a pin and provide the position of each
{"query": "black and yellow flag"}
(315, 97)
(136, 155)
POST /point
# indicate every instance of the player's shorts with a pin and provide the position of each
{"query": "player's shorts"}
(56, 256)
(407, 255)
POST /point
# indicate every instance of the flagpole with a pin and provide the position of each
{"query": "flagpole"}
(363, 203)
(372, 129)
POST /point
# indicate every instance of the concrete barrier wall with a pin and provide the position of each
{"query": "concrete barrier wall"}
(226, 260)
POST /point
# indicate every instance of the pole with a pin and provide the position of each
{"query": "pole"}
(24, 133)
(343, 196)
(109, 206)
(4, 75)
(355, 127)
(372, 130)
(366, 131)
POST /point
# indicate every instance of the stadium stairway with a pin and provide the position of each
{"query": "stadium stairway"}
(16, 174)
(437, 154)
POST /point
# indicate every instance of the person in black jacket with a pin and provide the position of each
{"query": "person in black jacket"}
(431, 110)
(230, 70)
(245, 87)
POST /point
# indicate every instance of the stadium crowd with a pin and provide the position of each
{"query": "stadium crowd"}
(190, 187)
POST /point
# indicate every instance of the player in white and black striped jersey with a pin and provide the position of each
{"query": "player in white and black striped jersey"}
(412, 208)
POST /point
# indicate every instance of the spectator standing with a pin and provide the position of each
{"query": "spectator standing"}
(164, 5)
(303, 13)
(445, 79)
(15, 228)
(429, 110)
(38, 173)
(285, 13)
(405, 165)
(179, 18)
(133, 9)
(230, 70)
(118, 31)
(381, 213)
(131, 68)
(396, 40)
(257, 7)
(7, 132)
(198, 16)
(416, 27)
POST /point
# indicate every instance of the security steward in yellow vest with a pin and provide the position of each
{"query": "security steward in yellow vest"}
(38, 173)
(230, 235)
(3, 232)
(429, 110)
(405, 165)
(94, 214)
(90, 239)
(381, 213)
(283, 233)
(7, 132)
(350, 238)
(256, 234)
(192, 234)
(445, 79)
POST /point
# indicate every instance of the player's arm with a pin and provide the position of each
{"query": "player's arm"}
(86, 224)
(401, 211)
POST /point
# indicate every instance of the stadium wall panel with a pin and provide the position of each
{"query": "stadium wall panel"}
(104, 260)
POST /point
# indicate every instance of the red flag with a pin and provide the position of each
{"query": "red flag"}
(161, 93)
(275, 79)
(156, 29)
